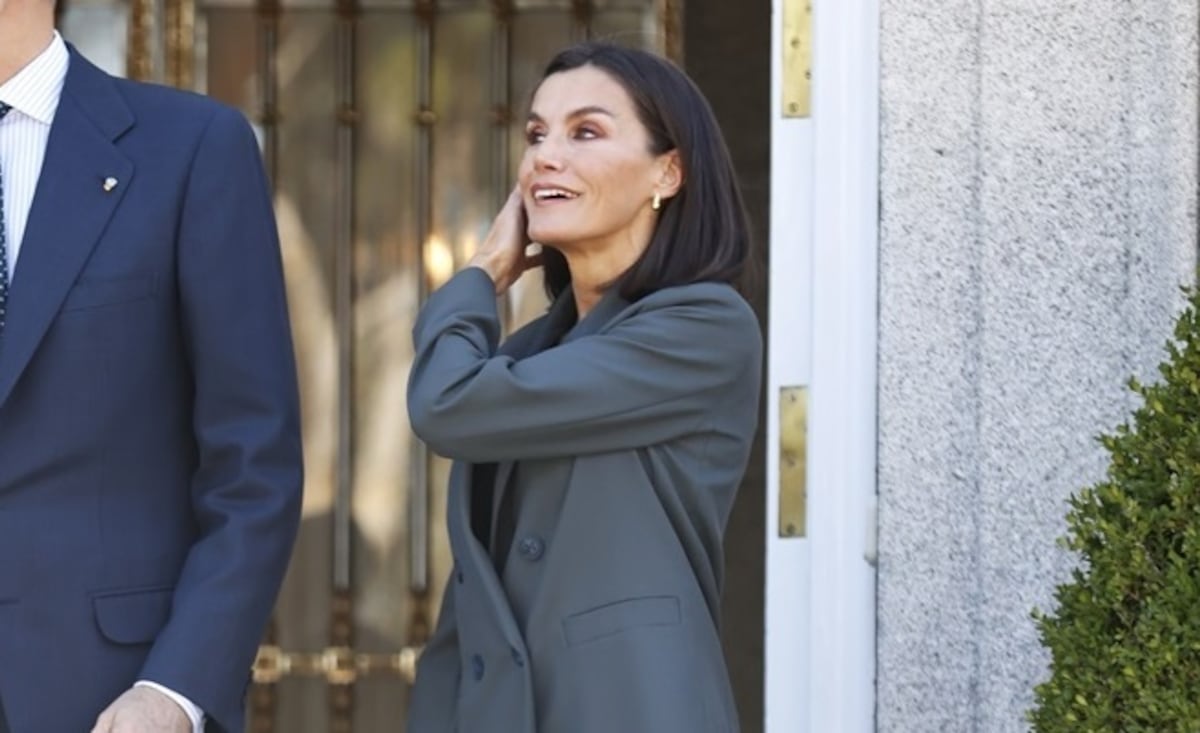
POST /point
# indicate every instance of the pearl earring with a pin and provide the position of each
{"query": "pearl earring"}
(656, 204)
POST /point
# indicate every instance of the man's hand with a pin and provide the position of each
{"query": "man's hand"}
(143, 710)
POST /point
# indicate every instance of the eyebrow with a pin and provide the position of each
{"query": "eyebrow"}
(592, 109)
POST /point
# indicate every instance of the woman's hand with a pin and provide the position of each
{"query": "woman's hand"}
(502, 255)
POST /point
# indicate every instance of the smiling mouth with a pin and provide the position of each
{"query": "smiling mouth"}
(554, 194)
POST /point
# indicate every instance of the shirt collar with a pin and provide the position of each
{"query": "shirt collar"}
(35, 89)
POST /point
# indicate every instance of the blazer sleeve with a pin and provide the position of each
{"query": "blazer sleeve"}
(246, 488)
(654, 375)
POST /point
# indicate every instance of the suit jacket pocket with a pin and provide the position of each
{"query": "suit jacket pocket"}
(132, 616)
(614, 618)
(94, 292)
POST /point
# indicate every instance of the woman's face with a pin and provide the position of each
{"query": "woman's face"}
(588, 176)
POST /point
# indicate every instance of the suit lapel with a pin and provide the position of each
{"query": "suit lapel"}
(559, 326)
(555, 327)
(546, 332)
(70, 210)
(467, 551)
(549, 331)
(609, 307)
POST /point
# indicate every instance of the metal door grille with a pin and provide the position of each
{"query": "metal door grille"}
(390, 132)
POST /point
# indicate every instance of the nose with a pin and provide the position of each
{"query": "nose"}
(548, 154)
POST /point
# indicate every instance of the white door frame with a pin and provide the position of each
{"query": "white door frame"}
(820, 595)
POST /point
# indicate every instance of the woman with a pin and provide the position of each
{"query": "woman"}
(598, 450)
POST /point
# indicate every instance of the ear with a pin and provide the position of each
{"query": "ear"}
(670, 174)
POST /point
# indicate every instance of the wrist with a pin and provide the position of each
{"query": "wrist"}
(488, 266)
(190, 709)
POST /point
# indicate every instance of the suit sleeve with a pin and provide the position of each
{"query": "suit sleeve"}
(653, 376)
(246, 489)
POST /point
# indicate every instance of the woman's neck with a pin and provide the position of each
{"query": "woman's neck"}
(595, 267)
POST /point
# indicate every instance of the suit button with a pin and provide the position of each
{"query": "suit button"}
(477, 667)
(518, 658)
(458, 576)
(531, 548)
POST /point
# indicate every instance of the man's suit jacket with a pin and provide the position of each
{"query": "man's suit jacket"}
(150, 468)
(622, 447)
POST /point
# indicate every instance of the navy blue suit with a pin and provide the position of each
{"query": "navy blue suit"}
(150, 466)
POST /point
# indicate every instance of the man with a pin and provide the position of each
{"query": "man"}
(150, 468)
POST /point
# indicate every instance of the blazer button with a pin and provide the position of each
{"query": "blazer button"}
(531, 548)
(458, 576)
(477, 667)
(518, 658)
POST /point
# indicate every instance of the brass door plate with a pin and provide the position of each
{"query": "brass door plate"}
(797, 58)
(793, 461)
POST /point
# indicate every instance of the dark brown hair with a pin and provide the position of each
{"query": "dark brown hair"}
(702, 233)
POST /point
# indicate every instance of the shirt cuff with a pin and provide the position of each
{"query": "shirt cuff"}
(194, 713)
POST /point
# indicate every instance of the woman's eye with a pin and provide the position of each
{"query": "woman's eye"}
(587, 133)
(534, 136)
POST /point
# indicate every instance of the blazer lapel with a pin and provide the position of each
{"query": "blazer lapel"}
(71, 207)
(469, 552)
(553, 327)
(559, 326)
(609, 307)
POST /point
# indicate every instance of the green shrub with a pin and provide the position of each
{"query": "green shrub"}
(1125, 639)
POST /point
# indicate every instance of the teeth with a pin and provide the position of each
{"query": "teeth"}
(553, 193)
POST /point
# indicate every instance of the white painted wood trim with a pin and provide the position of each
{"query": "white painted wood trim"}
(786, 646)
(843, 434)
(820, 602)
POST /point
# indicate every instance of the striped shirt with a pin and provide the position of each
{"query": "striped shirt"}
(33, 94)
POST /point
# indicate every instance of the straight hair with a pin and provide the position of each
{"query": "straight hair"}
(702, 233)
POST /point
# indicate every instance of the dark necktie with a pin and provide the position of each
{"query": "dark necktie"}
(4, 109)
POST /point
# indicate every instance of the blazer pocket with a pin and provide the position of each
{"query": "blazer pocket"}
(132, 616)
(615, 618)
(95, 292)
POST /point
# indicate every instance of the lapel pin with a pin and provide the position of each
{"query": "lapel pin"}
(109, 184)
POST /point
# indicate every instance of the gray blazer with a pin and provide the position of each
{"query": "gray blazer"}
(621, 443)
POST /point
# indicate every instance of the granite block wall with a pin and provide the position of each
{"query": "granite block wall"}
(1038, 214)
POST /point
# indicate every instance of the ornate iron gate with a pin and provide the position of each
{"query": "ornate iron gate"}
(391, 131)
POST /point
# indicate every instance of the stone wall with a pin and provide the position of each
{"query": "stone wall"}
(1038, 204)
